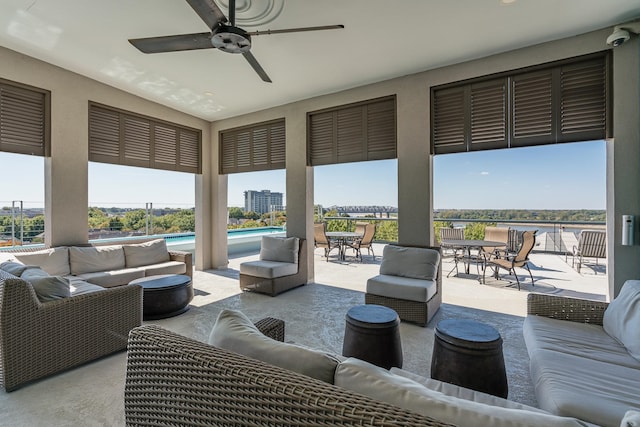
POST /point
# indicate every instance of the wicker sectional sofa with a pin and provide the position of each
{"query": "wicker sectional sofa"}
(173, 380)
(585, 355)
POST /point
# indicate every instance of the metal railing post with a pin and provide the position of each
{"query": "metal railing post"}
(149, 216)
(13, 222)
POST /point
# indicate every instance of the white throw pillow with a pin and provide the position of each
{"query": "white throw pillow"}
(416, 263)
(54, 261)
(48, 288)
(147, 253)
(280, 249)
(622, 317)
(235, 332)
(379, 384)
(99, 258)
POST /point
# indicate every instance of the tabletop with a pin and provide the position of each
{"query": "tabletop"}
(343, 234)
(472, 243)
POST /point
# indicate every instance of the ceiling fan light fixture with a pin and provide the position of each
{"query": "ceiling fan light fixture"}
(231, 39)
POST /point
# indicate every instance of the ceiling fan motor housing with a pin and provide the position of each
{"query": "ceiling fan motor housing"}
(231, 39)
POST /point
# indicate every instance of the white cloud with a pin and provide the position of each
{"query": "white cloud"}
(484, 173)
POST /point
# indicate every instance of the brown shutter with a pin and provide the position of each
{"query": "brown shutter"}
(124, 138)
(24, 119)
(488, 115)
(583, 112)
(256, 147)
(533, 109)
(448, 121)
(565, 101)
(352, 133)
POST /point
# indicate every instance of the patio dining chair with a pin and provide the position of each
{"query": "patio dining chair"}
(457, 252)
(521, 259)
(591, 244)
(365, 242)
(495, 234)
(322, 241)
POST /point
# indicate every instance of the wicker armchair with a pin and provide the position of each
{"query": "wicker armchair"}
(566, 308)
(39, 339)
(173, 380)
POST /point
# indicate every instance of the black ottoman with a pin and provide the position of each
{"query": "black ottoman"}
(469, 354)
(165, 295)
(372, 334)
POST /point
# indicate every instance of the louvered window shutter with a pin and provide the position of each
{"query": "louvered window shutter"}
(551, 103)
(449, 134)
(123, 138)
(353, 133)
(24, 119)
(252, 148)
(488, 115)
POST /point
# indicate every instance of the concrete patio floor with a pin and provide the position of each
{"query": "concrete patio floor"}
(92, 394)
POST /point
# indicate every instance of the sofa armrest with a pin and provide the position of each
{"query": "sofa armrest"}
(40, 339)
(271, 327)
(185, 257)
(566, 308)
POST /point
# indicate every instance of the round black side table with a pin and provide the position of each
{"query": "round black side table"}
(372, 334)
(469, 354)
(165, 295)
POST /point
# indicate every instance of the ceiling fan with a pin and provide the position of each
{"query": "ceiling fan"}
(227, 38)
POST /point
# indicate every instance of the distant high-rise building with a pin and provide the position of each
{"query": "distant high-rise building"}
(262, 201)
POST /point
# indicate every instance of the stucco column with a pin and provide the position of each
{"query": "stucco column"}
(415, 177)
(299, 183)
(66, 173)
(218, 191)
(623, 165)
(203, 216)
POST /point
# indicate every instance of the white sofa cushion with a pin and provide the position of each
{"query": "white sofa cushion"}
(579, 339)
(592, 390)
(109, 279)
(462, 392)
(54, 261)
(99, 258)
(169, 267)
(622, 317)
(47, 287)
(419, 290)
(416, 263)
(377, 383)
(147, 253)
(235, 332)
(268, 269)
(81, 287)
(279, 249)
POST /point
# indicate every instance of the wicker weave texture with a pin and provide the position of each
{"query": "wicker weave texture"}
(39, 339)
(176, 381)
(271, 327)
(565, 308)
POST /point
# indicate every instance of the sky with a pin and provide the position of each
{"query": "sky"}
(558, 176)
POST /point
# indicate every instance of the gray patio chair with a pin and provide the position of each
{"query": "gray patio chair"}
(447, 233)
(591, 244)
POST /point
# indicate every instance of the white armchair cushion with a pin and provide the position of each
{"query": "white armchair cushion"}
(416, 263)
(402, 287)
(268, 269)
(147, 253)
(280, 249)
(622, 317)
(235, 332)
(54, 261)
(378, 383)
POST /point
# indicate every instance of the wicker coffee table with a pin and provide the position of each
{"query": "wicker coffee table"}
(165, 295)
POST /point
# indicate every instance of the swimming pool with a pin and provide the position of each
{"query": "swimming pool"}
(238, 240)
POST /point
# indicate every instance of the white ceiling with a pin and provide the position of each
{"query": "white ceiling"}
(381, 40)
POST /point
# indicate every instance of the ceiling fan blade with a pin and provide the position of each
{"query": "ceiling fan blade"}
(295, 30)
(209, 12)
(258, 69)
(173, 43)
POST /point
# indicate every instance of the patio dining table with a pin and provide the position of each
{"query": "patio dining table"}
(467, 245)
(342, 237)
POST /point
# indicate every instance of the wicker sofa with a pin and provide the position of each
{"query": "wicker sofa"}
(108, 265)
(174, 380)
(38, 339)
(578, 367)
